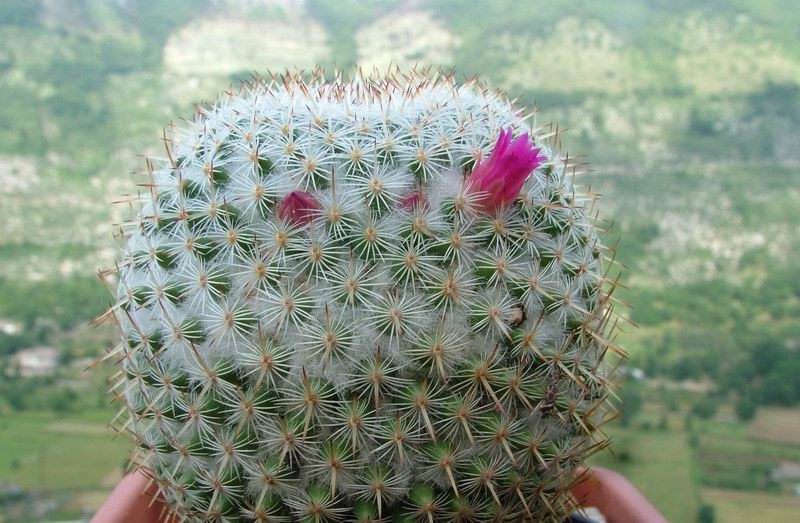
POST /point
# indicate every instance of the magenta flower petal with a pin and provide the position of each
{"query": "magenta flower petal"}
(298, 207)
(500, 177)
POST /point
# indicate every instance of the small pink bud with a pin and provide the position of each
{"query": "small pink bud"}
(298, 207)
(411, 200)
(499, 178)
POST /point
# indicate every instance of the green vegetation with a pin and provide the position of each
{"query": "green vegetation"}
(46, 451)
(712, 465)
(86, 298)
(740, 507)
(660, 464)
(60, 457)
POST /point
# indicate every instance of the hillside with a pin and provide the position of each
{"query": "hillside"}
(689, 117)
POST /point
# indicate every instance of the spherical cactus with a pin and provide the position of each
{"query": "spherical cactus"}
(363, 300)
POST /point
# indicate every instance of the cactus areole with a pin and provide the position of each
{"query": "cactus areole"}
(363, 300)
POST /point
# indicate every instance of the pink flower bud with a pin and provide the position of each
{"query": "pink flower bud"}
(411, 200)
(499, 178)
(298, 207)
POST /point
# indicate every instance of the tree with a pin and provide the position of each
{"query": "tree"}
(745, 407)
(63, 400)
(706, 514)
(705, 407)
(631, 395)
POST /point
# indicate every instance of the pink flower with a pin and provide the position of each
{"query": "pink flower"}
(298, 207)
(500, 177)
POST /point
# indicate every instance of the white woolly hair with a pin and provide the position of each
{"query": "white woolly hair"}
(271, 362)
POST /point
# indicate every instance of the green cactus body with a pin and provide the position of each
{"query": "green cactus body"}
(378, 360)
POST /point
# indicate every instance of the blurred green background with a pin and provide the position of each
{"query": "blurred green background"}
(688, 112)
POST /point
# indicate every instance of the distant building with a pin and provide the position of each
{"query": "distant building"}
(10, 327)
(35, 362)
(786, 471)
(633, 372)
(637, 374)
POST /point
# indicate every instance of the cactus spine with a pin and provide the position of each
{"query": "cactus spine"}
(324, 321)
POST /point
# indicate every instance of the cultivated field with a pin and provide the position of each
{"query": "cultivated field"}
(73, 460)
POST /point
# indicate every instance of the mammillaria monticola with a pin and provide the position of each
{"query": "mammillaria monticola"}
(363, 300)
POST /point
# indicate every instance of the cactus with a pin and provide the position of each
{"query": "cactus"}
(363, 300)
